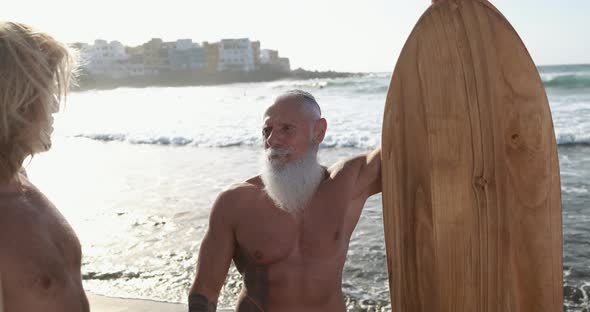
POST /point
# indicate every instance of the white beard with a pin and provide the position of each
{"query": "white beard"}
(291, 185)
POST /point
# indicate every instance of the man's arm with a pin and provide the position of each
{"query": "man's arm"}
(369, 175)
(215, 257)
(362, 174)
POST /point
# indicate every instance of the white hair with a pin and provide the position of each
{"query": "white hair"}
(308, 101)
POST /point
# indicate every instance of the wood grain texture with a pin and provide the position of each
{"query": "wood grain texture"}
(471, 190)
(1, 295)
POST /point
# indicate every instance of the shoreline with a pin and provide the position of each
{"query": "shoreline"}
(100, 303)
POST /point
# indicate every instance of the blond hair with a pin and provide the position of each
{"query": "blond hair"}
(35, 74)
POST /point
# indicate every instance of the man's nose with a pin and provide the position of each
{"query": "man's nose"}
(274, 140)
(54, 105)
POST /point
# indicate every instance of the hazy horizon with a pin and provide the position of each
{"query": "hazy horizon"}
(327, 35)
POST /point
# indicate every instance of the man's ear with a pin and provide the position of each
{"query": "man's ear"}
(319, 130)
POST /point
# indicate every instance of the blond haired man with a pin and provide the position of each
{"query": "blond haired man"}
(40, 256)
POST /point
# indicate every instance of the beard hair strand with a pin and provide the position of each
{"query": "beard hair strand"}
(292, 185)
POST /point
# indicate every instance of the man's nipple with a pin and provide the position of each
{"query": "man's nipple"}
(336, 235)
(258, 255)
(45, 282)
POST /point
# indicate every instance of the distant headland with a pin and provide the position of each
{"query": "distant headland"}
(107, 65)
(172, 79)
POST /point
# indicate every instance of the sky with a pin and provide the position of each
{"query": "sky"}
(342, 35)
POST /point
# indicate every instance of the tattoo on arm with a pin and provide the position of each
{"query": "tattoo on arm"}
(255, 283)
(200, 303)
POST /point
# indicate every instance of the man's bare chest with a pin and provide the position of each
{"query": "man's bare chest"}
(268, 235)
(39, 240)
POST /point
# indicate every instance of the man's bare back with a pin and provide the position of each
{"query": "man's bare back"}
(290, 259)
(40, 256)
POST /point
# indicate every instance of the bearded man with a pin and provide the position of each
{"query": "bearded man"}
(288, 229)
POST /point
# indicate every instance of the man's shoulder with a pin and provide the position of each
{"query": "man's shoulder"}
(240, 192)
(24, 222)
(228, 204)
(22, 208)
(347, 167)
(29, 211)
(251, 185)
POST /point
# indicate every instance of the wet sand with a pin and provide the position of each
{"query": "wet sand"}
(107, 304)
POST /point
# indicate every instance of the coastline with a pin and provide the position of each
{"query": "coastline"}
(99, 303)
(188, 78)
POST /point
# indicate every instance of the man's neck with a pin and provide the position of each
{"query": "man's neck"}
(13, 186)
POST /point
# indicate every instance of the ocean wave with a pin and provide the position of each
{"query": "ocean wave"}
(368, 83)
(319, 83)
(119, 274)
(216, 142)
(573, 190)
(569, 139)
(378, 84)
(173, 140)
(336, 141)
(567, 81)
(304, 84)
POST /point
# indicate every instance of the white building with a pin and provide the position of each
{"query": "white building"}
(236, 55)
(269, 59)
(110, 59)
(184, 44)
(101, 56)
(284, 64)
(268, 56)
(132, 66)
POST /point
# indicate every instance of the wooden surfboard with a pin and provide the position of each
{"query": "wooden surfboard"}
(471, 190)
(1, 295)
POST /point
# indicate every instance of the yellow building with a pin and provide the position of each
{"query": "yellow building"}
(211, 56)
(151, 56)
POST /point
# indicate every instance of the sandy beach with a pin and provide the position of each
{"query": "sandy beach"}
(107, 304)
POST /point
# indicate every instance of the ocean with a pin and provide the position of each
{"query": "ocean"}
(136, 170)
